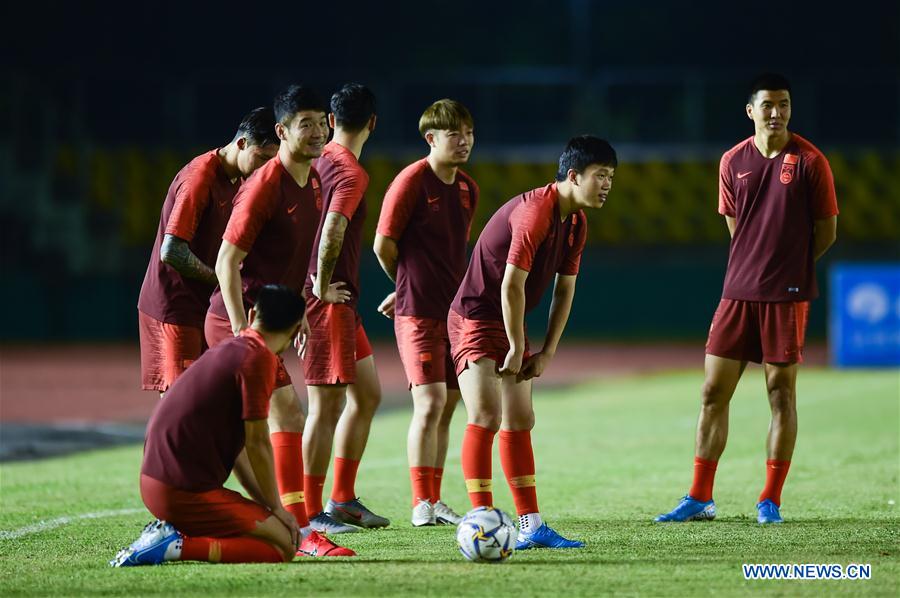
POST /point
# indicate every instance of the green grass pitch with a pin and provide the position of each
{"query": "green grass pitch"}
(610, 455)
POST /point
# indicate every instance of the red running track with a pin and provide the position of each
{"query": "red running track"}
(101, 383)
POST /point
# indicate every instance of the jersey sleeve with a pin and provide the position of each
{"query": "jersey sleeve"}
(726, 188)
(256, 378)
(529, 223)
(253, 206)
(399, 204)
(575, 242)
(191, 199)
(348, 192)
(823, 198)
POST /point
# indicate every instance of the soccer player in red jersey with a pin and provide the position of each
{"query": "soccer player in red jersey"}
(268, 240)
(180, 278)
(216, 409)
(534, 239)
(338, 363)
(776, 192)
(421, 244)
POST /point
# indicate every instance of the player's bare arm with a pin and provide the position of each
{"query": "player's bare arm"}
(731, 223)
(330, 244)
(244, 474)
(387, 252)
(228, 270)
(824, 235)
(512, 299)
(176, 253)
(259, 453)
(560, 307)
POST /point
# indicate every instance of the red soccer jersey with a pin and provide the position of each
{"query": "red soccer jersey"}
(274, 221)
(774, 202)
(196, 432)
(528, 233)
(344, 183)
(430, 220)
(196, 210)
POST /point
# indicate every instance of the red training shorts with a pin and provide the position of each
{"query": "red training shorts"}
(166, 351)
(470, 340)
(218, 513)
(218, 329)
(336, 342)
(758, 331)
(425, 351)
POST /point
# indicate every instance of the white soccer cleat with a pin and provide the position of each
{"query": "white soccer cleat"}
(444, 515)
(423, 514)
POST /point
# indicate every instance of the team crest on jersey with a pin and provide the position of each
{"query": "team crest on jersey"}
(464, 197)
(788, 167)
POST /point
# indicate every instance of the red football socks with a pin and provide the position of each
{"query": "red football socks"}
(477, 446)
(776, 472)
(288, 451)
(229, 550)
(704, 475)
(436, 484)
(344, 479)
(421, 479)
(517, 458)
(312, 494)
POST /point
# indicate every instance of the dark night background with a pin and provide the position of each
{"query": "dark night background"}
(100, 106)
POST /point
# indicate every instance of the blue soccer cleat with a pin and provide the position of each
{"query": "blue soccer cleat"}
(690, 509)
(767, 512)
(150, 548)
(544, 537)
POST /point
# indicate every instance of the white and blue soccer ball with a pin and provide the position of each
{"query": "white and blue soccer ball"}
(486, 535)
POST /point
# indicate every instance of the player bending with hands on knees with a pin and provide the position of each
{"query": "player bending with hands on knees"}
(215, 409)
(534, 239)
(421, 242)
(776, 192)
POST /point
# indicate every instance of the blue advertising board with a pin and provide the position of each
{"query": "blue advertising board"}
(864, 327)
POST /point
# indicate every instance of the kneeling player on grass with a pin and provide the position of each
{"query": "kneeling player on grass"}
(214, 410)
(533, 238)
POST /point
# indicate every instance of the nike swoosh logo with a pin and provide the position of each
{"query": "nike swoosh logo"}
(291, 209)
(743, 174)
(357, 516)
(433, 199)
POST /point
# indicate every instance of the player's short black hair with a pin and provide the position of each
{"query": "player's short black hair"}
(353, 105)
(297, 98)
(278, 308)
(769, 82)
(258, 127)
(582, 151)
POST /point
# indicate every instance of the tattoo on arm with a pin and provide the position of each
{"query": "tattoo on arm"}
(176, 253)
(330, 246)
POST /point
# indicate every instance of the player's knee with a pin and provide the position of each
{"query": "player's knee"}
(489, 420)
(428, 414)
(519, 422)
(715, 394)
(782, 399)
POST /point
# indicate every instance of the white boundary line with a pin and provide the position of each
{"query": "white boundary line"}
(43, 526)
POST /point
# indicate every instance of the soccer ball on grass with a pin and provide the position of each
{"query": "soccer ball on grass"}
(486, 535)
